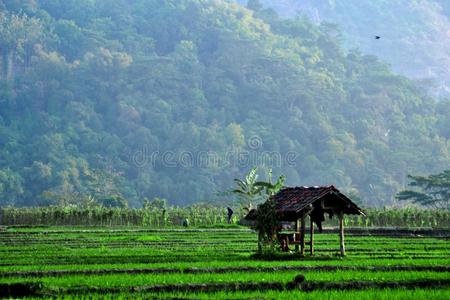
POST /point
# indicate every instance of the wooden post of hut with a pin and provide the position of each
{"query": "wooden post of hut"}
(302, 236)
(260, 239)
(297, 233)
(341, 233)
(311, 236)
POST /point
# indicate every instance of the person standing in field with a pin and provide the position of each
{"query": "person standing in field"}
(230, 214)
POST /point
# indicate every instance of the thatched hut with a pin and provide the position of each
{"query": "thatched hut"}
(295, 204)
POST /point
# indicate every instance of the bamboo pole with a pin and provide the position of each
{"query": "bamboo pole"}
(311, 236)
(341, 233)
(302, 236)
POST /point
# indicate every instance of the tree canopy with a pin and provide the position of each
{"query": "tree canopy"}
(118, 99)
(432, 190)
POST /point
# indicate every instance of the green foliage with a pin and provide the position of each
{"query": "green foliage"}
(138, 262)
(11, 188)
(266, 224)
(142, 99)
(250, 190)
(202, 215)
(434, 190)
(114, 201)
(156, 203)
(272, 188)
(247, 187)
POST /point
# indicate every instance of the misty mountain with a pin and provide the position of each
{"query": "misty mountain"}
(174, 99)
(415, 34)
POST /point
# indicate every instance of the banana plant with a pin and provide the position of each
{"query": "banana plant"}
(270, 188)
(247, 187)
(253, 190)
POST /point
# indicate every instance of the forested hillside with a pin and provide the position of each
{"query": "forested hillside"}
(112, 99)
(415, 35)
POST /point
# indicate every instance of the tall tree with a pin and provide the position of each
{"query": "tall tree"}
(18, 35)
(432, 190)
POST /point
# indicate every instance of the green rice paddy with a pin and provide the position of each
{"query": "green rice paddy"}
(124, 262)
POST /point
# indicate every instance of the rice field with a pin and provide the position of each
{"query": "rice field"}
(140, 262)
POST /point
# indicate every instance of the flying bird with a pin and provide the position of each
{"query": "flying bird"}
(377, 37)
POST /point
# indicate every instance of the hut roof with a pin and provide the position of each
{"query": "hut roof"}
(299, 200)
